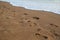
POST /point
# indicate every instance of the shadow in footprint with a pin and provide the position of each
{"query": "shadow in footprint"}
(25, 14)
(45, 37)
(37, 18)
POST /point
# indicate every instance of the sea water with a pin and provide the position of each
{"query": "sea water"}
(46, 5)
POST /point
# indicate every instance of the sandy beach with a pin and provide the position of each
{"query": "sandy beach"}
(18, 23)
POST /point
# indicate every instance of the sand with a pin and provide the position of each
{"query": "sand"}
(18, 23)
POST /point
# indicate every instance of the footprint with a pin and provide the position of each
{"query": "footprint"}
(38, 29)
(37, 34)
(25, 14)
(45, 37)
(53, 25)
(37, 18)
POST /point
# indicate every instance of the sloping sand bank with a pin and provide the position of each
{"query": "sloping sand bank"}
(18, 23)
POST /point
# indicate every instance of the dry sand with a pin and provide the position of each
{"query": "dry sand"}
(18, 23)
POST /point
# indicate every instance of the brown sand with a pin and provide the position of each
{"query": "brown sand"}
(18, 23)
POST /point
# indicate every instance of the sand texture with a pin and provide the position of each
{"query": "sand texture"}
(18, 23)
